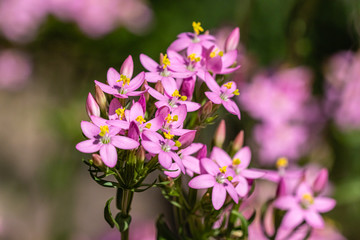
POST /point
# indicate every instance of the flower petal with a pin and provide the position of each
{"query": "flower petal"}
(231, 190)
(165, 159)
(148, 63)
(136, 82)
(214, 97)
(109, 155)
(202, 181)
(210, 166)
(136, 111)
(314, 219)
(324, 204)
(169, 85)
(191, 163)
(173, 174)
(211, 83)
(231, 107)
(252, 174)
(88, 146)
(286, 202)
(112, 77)
(89, 129)
(179, 44)
(243, 187)
(191, 106)
(244, 155)
(193, 148)
(293, 218)
(124, 142)
(218, 195)
(127, 68)
(106, 88)
(221, 157)
(151, 147)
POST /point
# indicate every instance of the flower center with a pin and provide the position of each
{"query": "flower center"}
(124, 79)
(282, 162)
(166, 61)
(103, 130)
(197, 27)
(236, 161)
(168, 135)
(170, 119)
(176, 94)
(120, 112)
(307, 200)
(224, 97)
(140, 119)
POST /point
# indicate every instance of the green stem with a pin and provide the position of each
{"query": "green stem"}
(125, 210)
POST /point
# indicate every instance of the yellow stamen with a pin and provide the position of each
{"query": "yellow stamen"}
(124, 79)
(197, 59)
(120, 112)
(308, 198)
(223, 169)
(168, 118)
(175, 118)
(192, 56)
(282, 162)
(183, 98)
(221, 53)
(197, 27)
(236, 92)
(236, 161)
(177, 143)
(168, 135)
(104, 130)
(213, 54)
(176, 93)
(166, 61)
(140, 119)
(148, 125)
(228, 85)
(230, 178)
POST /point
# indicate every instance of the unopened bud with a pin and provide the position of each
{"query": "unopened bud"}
(97, 160)
(206, 109)
(100, 98)
(143, 88)
(232, 41)
(140, 154)
(238, 142)
(187, 138)
(321, 181)
(220, 134)
(281, 188)
(161, 60)
(202, 152)
(159, 87)
(92, 108)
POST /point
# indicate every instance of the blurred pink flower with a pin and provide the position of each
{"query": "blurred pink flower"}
(15, 70)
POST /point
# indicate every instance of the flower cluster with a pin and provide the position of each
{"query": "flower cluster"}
(139, 124)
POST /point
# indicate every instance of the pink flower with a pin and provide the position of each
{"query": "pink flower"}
(192, 164)
(121, 85)
(104, 139)
(304, 206)
(218, 178)
(222, 95)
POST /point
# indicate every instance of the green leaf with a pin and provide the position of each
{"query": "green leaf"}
(108, 215)
(123, 222)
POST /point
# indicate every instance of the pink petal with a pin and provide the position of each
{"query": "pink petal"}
(194, 48)
(98, 121)
(252, 174)
(293, 218)
(136, 82)
(179, 44)
(211, 83)
(210, 166)
(109, 155)
(89, 129)
(135, 111)
(152, 77)
(221, 157)
(324, 204)
(114, 105)
(151, 147)
(153, 136)
(148, 63)
(173, 174)
(193, 148)
(231, 190)
(156, 94)
(202, 181)
(244, 155)
(112, 77)
(303, 189)
(119, 123)
(218, 195)
(156, 123)
(231, 107)
(314, 219)
(181, 112)
(169, 85)
(165, 159)
(106, 88)
(182, 74)
(88, 146)
(192, 163)
(124, 142)
(215, 98)
(187, 138)
(243, 187)
(229, 70)
(178, 161)
(229, 58)
(127, 68)
(191, 106)
(286, 202)
(214, 64)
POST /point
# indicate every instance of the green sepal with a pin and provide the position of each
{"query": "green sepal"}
(123, 222)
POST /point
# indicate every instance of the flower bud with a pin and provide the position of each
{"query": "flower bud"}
(134, 131)
(142, 102)
(92, 108)
(220, 134)
(321, 181)
(238, 142)
(159, 87)
(202, 152)
(232, 41)
(97, 160)
(187, 139)
(187, 88)
(140, 154)
(127, 68)
(281, 188)
(100, 98)
(143, 88)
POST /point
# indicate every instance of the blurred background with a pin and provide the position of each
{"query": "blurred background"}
(299, 98)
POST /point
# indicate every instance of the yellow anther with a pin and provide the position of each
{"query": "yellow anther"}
(120, 112)
(175, 118)
(140, 119)
(166, 61)
(230, 178)
(148, 125)
(213, 54)
(168, 135)
(183, 98)
(177, 143)
(176, 93)
(197, 59)
(104, 130)
(236, 92)
(197, 27)
(228, 85)
(223, 169)
(221, 53)
(124, 79)
(192, 57)
(308, 198)
(282, 162)
(168, 118)
(236, 161)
